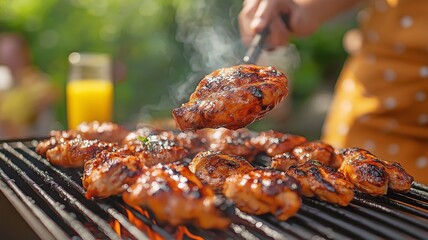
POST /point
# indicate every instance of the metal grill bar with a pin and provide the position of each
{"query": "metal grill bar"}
(368, 223)
(73, 223)
(420, 186)
(339, 223)
(28, 205)
(123, 220)
(395, 216)
(412, 201)
(105, 207)
(419, 194)
(401, 206)
(325, 231)
(373, 205)
(103, 225)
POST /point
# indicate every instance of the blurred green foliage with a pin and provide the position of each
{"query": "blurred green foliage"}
(154, 40)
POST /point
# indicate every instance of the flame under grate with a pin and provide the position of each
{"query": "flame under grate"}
(52, 201)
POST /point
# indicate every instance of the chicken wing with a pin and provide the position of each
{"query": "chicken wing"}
(212, 168)
(274, 143)
(323, 182)
(176, 196)
(110, 173)
(232, 97)
(264, 191)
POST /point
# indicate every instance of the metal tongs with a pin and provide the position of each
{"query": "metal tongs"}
(256, 46)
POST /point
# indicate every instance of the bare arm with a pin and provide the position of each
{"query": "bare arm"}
(305, 17)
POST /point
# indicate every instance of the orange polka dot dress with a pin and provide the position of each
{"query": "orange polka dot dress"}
(381, 99)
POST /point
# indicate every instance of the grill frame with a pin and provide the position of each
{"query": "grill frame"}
(58, 210)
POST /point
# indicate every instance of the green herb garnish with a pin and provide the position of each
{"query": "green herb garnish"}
(146, 142)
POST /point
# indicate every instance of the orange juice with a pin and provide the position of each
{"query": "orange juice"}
(89, 100)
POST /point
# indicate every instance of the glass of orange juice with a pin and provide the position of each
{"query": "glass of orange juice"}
(89, 90)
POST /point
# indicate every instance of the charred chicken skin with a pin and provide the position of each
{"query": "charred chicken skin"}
(212, 168)
(264, 191)
(110, 173)
(274, 143)
(73, 153)
(323, 182)
(372, 175)
(176, 196)
(235, 142)
(153, 150)
(319, 151)
(232, 97)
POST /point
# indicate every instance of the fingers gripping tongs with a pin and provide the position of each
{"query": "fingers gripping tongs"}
(256, 46)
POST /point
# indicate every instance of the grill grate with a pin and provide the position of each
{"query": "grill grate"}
(52, 200)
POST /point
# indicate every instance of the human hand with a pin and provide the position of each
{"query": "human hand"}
(258, 14)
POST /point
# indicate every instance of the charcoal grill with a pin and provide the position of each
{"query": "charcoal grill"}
(51, 199)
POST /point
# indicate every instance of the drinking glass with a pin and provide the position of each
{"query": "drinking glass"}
(89, 90)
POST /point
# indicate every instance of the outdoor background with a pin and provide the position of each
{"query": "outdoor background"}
(162, 48)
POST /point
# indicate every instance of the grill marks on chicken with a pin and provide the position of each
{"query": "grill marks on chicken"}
(264, 191)
(155, 150)
(110, 173)
(323, 182)
(176, 196)
(232, 97)
(231, 142)
(143, 160)
(253, 191)
(212, 168)
(104, 131)
(74, 153)
(371, 175)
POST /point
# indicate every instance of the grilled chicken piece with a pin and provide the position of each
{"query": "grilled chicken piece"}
(176, 196)
(56, 138)
(372, 175)
(323, 182)
(192, 141)
(154, 149)
(73, 153)
(264, 191)
(274, 143)
(106, 132)
(235, 142)
(212, 168)
(232, 97)
(103, 131)
(365, 171)
(399, 179)
(110, 173)
(284, 161)
(319, 151)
